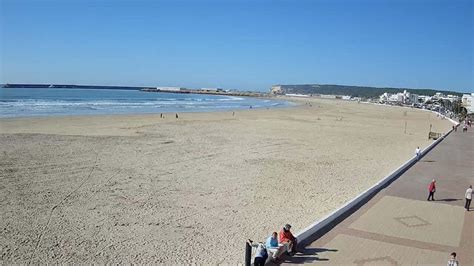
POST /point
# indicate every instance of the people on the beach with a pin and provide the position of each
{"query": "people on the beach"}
(468, 197)
(272, 245)
(177, 116)
(452, 260)
(261, 253)
(432, 190)
(288, 240)
(417, 153)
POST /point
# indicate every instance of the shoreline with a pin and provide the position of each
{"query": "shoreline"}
(288, 104)
(206, 175)
(123, 102)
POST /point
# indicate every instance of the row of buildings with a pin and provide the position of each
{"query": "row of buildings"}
(437, 101)
(412, 98)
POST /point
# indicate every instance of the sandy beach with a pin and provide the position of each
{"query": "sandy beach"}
(141, 189)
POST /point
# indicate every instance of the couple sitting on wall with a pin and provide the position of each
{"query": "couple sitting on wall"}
(286, 242)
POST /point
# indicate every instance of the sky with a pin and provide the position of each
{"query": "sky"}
(246, 45)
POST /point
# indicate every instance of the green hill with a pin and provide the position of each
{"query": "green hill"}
(355, 91)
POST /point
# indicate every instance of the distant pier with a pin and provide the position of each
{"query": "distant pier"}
(210, 92)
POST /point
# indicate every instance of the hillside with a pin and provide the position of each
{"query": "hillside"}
(354, 91)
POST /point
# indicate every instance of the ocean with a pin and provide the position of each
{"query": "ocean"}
(27, 102)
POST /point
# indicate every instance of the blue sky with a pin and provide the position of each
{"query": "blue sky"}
(239, 44)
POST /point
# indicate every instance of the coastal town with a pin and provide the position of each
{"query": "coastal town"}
(447, 104)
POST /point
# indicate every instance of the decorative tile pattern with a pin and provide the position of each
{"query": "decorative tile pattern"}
(412, 221)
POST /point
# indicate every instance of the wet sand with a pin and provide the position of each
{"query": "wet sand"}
(140, 189)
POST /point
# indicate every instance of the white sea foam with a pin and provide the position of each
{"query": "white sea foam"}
(34, 102)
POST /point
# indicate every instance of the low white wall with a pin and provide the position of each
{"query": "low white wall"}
(318, 225)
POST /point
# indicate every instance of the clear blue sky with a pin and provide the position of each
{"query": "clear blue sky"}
(239, 44)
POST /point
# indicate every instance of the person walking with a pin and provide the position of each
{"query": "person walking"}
(417, 153)
(432, 190)
(468, 198)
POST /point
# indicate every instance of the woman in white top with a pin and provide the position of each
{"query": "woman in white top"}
(468, 198)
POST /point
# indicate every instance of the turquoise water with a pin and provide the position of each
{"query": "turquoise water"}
(25, 102)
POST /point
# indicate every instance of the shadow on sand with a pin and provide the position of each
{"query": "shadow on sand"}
(447, 200)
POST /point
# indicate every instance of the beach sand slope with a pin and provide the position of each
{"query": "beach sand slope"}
(123, 189)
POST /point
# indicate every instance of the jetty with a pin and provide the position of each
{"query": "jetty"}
(208, 91)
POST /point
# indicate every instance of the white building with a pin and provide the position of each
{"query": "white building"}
(346, 97)
(424, 98)
(400, 98)
(468, 102)
(169, 88)
(413, 98)
(328, 96)
(297, 95)
(277, 89)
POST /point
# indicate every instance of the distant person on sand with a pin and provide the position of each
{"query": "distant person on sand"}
(432, 190)
(452, 261)
(288, 240)
(261, 253)
(272, 245)
(161, 115)
(468, 197)
(417, 153)
(176, 115)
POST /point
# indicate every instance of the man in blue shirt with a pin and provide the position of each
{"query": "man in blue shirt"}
(272, 245)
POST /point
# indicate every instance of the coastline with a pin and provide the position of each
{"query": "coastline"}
(27, 102)
(205, 175)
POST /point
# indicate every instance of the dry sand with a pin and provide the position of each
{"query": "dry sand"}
(142, 189)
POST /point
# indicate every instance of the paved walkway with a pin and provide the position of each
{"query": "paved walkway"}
(398, 226)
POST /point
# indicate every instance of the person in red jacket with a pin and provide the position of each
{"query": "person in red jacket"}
(432, 190)
(288, 240)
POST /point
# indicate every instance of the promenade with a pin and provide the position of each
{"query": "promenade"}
(398, 226)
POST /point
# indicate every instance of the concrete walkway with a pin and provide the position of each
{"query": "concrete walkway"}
(398, 226)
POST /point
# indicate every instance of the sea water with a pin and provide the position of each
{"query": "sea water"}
(25, 102)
